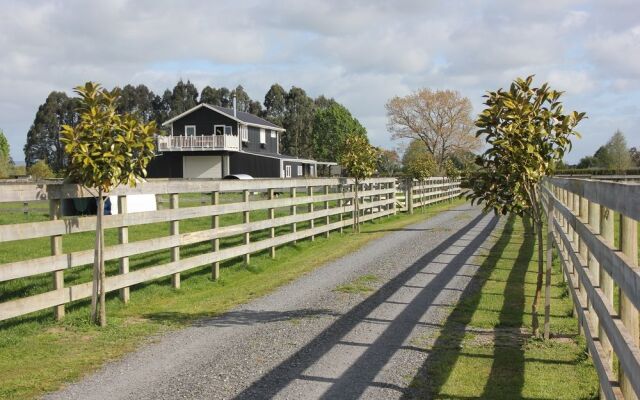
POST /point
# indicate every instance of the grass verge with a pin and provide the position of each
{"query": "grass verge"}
(38, 355)
(485, 349)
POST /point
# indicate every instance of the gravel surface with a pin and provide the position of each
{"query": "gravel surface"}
(309, 340)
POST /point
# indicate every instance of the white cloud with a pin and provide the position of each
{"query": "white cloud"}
(360, 52)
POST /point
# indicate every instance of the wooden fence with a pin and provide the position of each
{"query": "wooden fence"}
(414, 193)
(601, 272)
(320, 205)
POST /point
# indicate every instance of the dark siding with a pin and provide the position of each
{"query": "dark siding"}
(204, 119)
(256, 166)
(254, 146)
(165, 165)
(294, 168)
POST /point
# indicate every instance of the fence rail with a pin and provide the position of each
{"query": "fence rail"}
(322, 205)
(414, 193)
(582, 216)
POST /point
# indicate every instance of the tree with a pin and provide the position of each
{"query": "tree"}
(298, 122)
(527, 133)
(183, 97)
(105, 149)
(359, 159)
(43, 137)
(138, 100)
(417, 162)
(40, 170)
(331, 125)
(324, 102)
(6, 163)
(243, 101)
(388, 162)
(616, 153)
(588, 162)
(162, 107)
(275, 104)
(441, 119)
(635, 156)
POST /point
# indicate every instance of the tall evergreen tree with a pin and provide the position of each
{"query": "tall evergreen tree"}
(243, 101)
(183, 97)
(275, 104)
(43, 137)
(324, 102)
(216, 97)
(6, 163)
(137, 100)
(298, 121)
(162, 107)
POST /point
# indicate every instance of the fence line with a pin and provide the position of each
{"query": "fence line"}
(581, 216)
(331, 203)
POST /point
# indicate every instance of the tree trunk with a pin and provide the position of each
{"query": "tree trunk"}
(96, 270)
(103, 313)
(535, 324)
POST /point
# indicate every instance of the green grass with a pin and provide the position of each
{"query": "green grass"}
(362, 284)
(38, 354)
(485, 349)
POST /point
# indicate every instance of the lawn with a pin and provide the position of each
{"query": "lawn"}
(485, 349)
(38, 354)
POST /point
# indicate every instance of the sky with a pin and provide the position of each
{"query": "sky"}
(362, 53)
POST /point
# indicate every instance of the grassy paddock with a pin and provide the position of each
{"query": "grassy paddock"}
(38, 354)
(485, 349)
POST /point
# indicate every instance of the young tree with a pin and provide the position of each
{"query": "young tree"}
(105, 149)
(359, 159)
(417, 162)
(40, 170)
(527, 133)
(6, 163)
(441, 119)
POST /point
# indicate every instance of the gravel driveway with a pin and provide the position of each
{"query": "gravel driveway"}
(315, 337)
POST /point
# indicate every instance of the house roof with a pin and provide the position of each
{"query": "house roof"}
(242, 117)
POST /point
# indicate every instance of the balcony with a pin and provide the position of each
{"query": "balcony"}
(197, 143)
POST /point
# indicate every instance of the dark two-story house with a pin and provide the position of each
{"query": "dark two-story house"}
(213, 142)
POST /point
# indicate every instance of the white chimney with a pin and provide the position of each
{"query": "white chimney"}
(234, 106)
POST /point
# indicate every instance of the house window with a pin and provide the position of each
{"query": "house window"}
(244, 133)
(263, 139)
(228, 130)
(273, 134)
(189, 130)
(218, 129)
(299, 170)
(287, 171)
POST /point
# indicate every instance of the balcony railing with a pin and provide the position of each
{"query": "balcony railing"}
(208, 142)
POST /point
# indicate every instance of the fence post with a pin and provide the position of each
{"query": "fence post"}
(547, 286)
(55, 212)
(215, 224)
(410, 195)
(594, 266)
(311, 209)
(246, 218)
(327, 220)
(174, 227)
(294, 211)
(606, 282)
(25, 208)
(628, 312)
(272, 216)
(341, 205)
(123, 237)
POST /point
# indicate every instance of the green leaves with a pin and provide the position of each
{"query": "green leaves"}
(106, 148)
(358, 157)
(528, 134)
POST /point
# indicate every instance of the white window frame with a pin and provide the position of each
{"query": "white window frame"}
(273, 134)
(244, 132)
(299, 170)
(263, 136)
(186, 128)
(228, 130)
(215, 128)
(287, 171)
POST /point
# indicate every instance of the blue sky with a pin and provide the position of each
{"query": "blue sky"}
(360, 52)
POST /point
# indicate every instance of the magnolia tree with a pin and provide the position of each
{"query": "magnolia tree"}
(359, 159)
(527, 133)
(105, 149)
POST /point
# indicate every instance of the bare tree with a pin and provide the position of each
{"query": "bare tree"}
(441, 119)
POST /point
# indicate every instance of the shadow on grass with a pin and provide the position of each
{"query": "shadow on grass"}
(506, 378)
